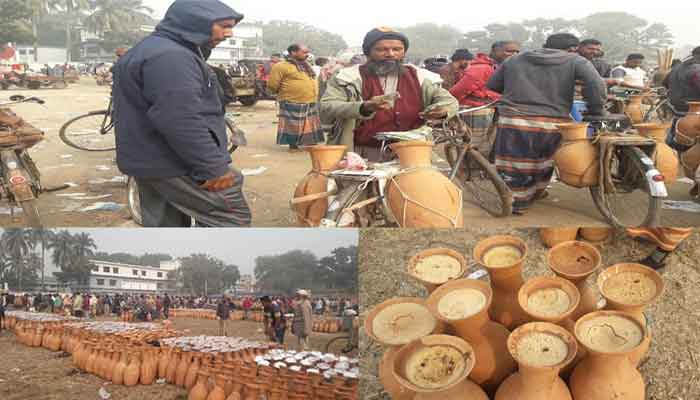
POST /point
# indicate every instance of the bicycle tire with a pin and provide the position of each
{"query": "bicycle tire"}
(336, 343)
(134, 201)
(475, 171)
(344, 200)
(63, 133)
(613, 217)
(31, 213)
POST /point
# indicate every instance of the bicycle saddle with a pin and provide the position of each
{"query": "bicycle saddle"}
(606, 118)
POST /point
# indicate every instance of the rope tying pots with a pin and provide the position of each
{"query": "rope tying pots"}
(665, 158)
(420, 196)
(577, 158)
(323, 160)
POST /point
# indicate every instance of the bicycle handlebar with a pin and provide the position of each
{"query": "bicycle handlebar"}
(18, 99)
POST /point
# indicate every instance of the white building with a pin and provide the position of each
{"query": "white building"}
(245, 285)
(24, 54)
(247, 42)
(117, 277)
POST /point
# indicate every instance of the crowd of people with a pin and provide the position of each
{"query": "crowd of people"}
(173, 138)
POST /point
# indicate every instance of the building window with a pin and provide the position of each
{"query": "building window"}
(115, 270)
(112, 282)
(100, 282)
(105, 269)
(143, 273)
(96, 269)
(160, 286)
(160, 274)
(134, 272)
(22, 52)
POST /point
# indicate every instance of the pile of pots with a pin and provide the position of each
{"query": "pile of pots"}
(37, 329)
(510, 339)
(202, 313)
(327, 325)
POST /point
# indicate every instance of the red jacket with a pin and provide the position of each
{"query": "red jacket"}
(471, 89)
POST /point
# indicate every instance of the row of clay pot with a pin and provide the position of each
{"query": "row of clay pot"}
(505, 309)
(333, 325)
(236, 382)
(211, 314)
(419, 196)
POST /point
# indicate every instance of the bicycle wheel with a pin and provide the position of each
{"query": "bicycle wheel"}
(31, 213)
(337, 345)
(93, 131)
(133, 200)
(629, 202)
(344, 199)
(481, 182)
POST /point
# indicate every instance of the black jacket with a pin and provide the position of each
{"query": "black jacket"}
(678, 82)
(169, 116)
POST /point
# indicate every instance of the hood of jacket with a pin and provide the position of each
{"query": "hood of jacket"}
(549, 56)
(482, 59)
(190, 21)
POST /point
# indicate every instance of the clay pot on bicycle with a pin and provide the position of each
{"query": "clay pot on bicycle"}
(323, 160)
(577, 158)
(688, 127)
(665, 158)
(420, 196)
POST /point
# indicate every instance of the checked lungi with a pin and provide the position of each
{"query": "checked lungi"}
(299, 124)
(479, 123)
(524, 148)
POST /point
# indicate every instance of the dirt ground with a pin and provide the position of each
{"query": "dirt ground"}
(671, 371)
(39, 374)
(268, 193)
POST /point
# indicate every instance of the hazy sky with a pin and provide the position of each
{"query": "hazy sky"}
(234, 246)
(353, 18)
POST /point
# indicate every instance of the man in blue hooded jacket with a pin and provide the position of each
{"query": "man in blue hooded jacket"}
(170, 127)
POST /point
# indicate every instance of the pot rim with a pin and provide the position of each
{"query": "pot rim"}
(369, 330)
(569, 275)
(546, 282)
(433, 300)
(411, 265)
(543, 327)
(432, 341)
(630, 267)
(622, 314)
(492, 241)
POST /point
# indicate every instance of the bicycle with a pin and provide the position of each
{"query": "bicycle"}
(662, 109)
(94, 131)
(20, 179)
(346, 344)
(628, 174)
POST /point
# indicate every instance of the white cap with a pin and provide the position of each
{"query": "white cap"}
(302, 292)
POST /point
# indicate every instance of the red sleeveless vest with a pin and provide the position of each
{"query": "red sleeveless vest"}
(403, 117)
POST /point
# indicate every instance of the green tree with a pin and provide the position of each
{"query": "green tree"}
(278, 35)
(15, 21)
(116, 16)
(40, 8)
(286, 272)
(71, 253)
(16, 244)
(202, 274)
(428, 40)
(339, 270)
(230, 275)
(154, 259)
(41, 237)
(73, 13)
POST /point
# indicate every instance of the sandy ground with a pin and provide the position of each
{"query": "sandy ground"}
(39, 374)
(268, 193)
(671, 371)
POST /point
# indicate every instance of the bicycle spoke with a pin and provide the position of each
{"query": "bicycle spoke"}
(90, 132)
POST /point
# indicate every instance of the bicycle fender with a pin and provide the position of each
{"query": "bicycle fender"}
(658, 188)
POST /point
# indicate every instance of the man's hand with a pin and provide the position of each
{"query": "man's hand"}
(218, 184)
(376, 103)
(435, 113)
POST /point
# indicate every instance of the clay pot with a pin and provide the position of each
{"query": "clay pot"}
(607, 373)
(421, 196)
(650, 280)
(689, 125)
(666, 159)
(547, 309)
(163, 362)
(596, 235)
(191, 376)
(464, 354)
(538, 370)
(436, 275)
(399, 321)
(690, 160)
(576, 261)
(132, 371)
(200, 390)
(323, 160)
(577, 158)
(387, 378)
(633, 109)
(149, 368)
(470, 300)
(553, 236)
(506, 280)
(171, 371)
(666, 238)
(218, 392)
(181, 369)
